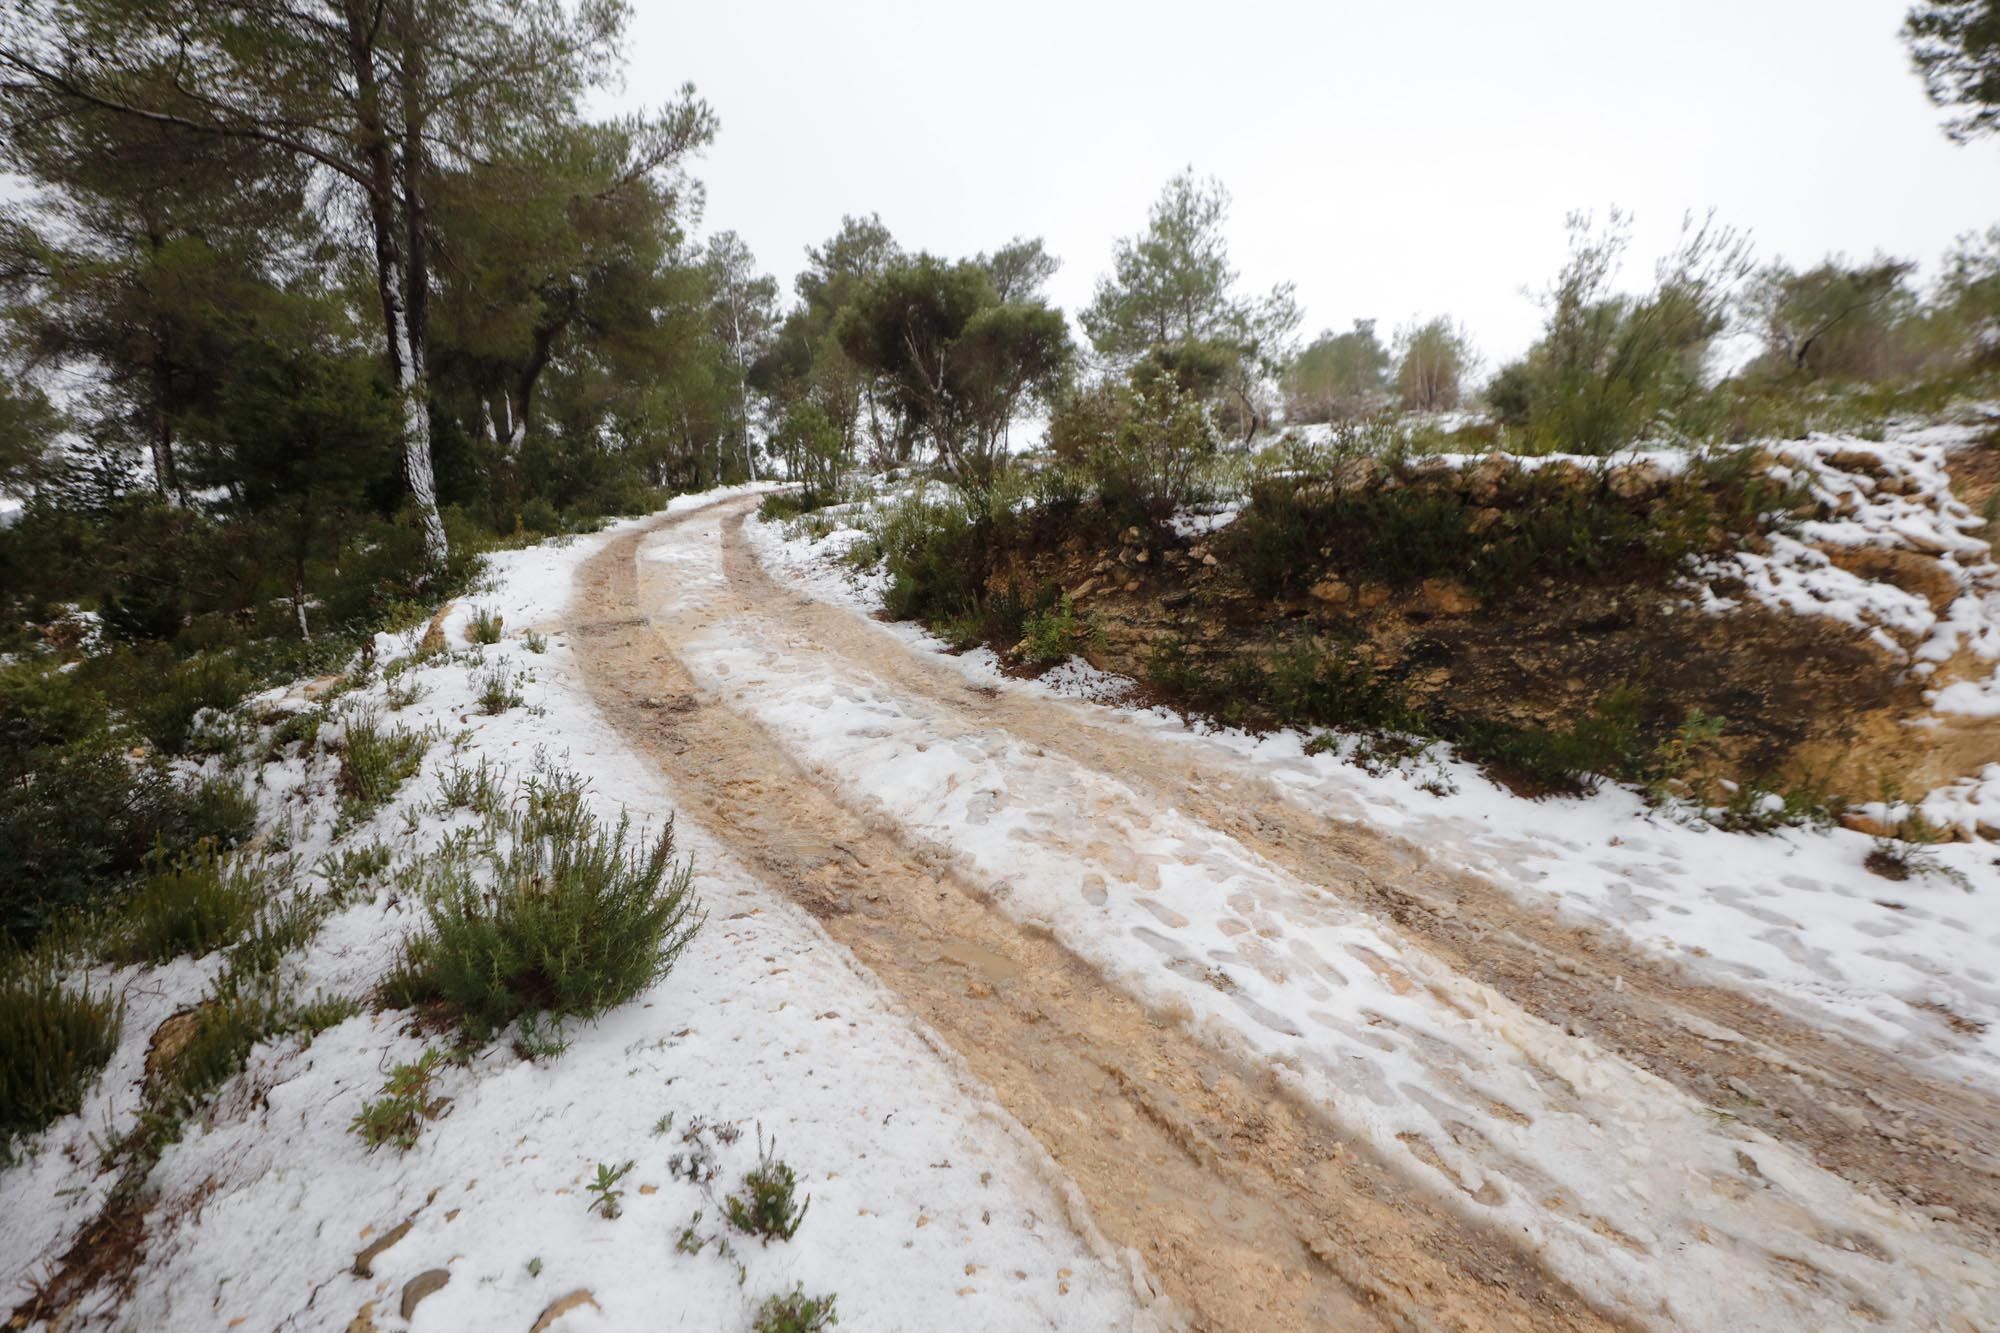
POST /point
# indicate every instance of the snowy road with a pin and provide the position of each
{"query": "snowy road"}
(1313, 1077)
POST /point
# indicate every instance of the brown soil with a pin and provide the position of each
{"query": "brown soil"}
(1547, 652)
(1251, 1208)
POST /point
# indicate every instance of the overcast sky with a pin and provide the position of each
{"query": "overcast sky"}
(1393, 160)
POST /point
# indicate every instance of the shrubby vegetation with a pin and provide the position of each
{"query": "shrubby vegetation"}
(567, 919)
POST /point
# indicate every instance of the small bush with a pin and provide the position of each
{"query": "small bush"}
(496, 690)
(1311, 685)
(1055, 633)
(54, 1040)
(348, 871)
(173, 718)
(373, 764)
(1544, 761)
(935, 553)
(218, 811)
(477, 789)
(401, 694)
(398, 1116)
(795, 1312)
(765, 1207)
(486, 626)
(574, 920)
(227, 1026)
(193, 904)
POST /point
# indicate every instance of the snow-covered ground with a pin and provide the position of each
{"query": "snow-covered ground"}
(930, 1207)
(1603, 1166)
(1792, 914)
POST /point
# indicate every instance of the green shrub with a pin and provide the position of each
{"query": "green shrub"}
(574, 920)
(1540, 761)
(405, 1106)
(54, 1040)
(496, 692)
(795, 1312)
(935, 553)
(476, 789)
(192, 904)
(766, 1207)
(374, 764)
(486, 625)
(1311, 685)
(606, 1199)
(226, 1027)
(348, 871)
(217, 810)
(78, 816)
(171, 719)
(1055, 633)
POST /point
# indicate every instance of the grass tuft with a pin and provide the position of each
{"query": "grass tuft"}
(54, 1040)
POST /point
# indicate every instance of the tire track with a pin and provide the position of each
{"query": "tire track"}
(1858, 1111)
(1251, 1208)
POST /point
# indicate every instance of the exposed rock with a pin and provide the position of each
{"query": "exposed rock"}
(1860, 462)
(363, 1261)
(1481, 521)
(364, 1319)
(1180, 597)
(1570, 476)
(1913, 573)
(420, 1286)
(1363, 473)
(170, 1038)
(1637, 481)
(1430, 468)
(1860, 823)
(1448, 597)
(433, 640)
(562, 1305)
(1333, 591)
(1372, 595)
(1083, 590)
(1482, 481)
(1209, 560)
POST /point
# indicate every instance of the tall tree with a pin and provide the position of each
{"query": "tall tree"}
(1020, 269)
(1955, 46)
(375, 94)
(1835, 320)
(743, 318)
(139, 261)
(1431, 360)
(560, 237)
(1338, 375)
(1174, 284)
(958, 362)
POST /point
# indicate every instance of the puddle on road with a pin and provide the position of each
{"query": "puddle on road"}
(978, 958)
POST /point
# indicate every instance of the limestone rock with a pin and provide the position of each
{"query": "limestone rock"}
(422, 1285)
(1448, 597)
(1482, 481)
(562, 1305)
(1332, 591)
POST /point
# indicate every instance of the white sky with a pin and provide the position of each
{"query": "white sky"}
(1393, 160)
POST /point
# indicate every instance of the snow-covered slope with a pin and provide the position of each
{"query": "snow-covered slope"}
(930, 1208)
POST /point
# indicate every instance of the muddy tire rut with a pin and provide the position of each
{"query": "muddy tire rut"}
(1251, 1206)
(1248, 1207)
(1861, 1112)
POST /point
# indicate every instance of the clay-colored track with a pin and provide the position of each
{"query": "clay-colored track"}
(1251, 1209)
(1859, 1111)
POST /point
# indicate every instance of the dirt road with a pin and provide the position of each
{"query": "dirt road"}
(1400, 1097)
